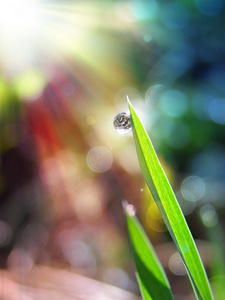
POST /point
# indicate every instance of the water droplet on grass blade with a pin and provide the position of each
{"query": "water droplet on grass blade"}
(122, 122)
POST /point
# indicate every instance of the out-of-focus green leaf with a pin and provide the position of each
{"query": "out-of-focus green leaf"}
(216, 238)
(169, 208)
(152, 280)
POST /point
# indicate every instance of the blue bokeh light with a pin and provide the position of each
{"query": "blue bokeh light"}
(175, 16)
(174, 103)
(216, 110)
(209, 7)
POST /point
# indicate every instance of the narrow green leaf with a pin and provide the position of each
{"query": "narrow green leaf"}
(216, 238)
(152, 280)
(169, 208)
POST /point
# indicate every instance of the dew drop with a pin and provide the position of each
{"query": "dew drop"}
(122, 122)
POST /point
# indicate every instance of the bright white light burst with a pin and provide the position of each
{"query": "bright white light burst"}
(36, 34)
(19, 17)
(33, 31)
(19, 24)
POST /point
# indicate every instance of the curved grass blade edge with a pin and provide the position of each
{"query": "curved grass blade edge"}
(169, 208)
(150, 275)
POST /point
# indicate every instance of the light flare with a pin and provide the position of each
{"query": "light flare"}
(19, 21)
(19, 17)
(39, 36)
(34, 31)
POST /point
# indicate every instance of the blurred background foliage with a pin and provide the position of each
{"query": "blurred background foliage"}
(66, 68)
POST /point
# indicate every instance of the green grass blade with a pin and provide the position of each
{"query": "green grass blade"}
(216, 238)
(169, 208)
(151, 278)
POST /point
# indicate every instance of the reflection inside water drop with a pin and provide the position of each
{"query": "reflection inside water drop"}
(122, 122)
